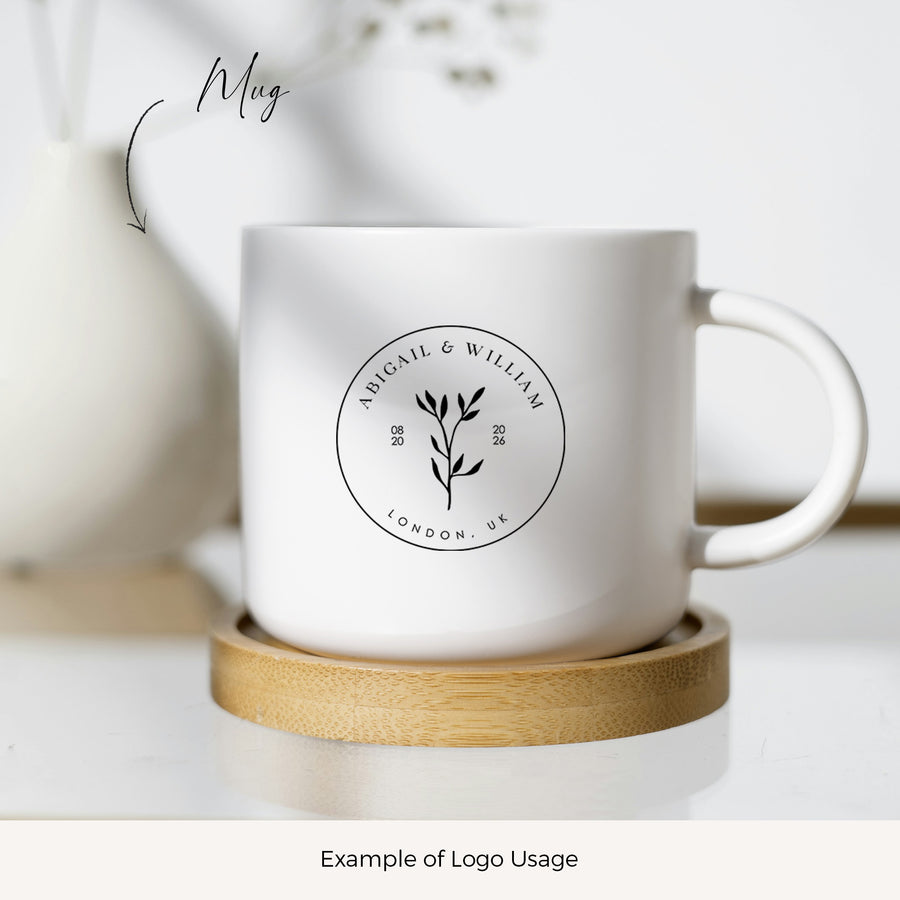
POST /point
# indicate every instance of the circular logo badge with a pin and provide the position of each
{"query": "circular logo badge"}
(450, 438)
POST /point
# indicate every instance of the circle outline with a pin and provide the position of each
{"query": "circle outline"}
(337, 445)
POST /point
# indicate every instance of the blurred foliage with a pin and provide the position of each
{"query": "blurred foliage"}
(466, 41)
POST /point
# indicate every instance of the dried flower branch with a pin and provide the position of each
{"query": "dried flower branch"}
(63, 98)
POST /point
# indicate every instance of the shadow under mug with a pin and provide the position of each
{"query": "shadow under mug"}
(476, 444)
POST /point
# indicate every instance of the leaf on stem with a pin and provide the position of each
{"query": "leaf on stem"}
(469, 416)
(461, 402)
(458, 464)
(473, 470)
(421, 404)
(437, 474)
(431, 401)
(443, 407)
(477, 396)
(436, 446)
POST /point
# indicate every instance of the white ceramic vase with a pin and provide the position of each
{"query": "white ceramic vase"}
(118, 407)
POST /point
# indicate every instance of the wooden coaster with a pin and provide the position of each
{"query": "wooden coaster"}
(679, 679)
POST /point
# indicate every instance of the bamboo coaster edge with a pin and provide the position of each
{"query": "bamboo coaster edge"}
(680, 679)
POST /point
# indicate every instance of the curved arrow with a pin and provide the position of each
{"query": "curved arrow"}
(141, 226)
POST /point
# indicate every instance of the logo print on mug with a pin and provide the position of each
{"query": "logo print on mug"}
(466, 413)
(450, 438)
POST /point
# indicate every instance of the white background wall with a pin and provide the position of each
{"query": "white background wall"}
(772, 127)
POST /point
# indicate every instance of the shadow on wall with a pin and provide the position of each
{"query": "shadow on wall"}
(465, 43)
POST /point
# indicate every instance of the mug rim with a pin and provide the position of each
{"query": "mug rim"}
(589, 230)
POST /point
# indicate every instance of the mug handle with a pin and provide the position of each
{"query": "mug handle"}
(742, 545)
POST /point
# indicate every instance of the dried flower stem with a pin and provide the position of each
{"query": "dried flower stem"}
(63, 100)
(50, 84)
(81, 42)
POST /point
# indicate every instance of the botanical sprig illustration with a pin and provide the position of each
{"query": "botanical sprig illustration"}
(439, 411)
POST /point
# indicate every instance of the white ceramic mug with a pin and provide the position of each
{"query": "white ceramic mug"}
(469, 444)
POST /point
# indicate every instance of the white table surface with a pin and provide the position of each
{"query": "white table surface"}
(103, 725)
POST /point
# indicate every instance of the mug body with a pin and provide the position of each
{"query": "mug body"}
(467, 444)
